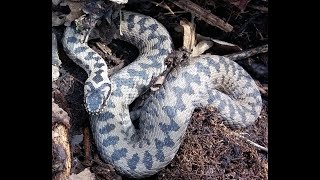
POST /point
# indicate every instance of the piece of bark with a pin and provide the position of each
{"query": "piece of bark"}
(203, 14)
(61, 160)
(189, 40)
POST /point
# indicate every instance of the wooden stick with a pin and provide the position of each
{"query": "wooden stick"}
(247, 53)
(251, 142)
(203, 14)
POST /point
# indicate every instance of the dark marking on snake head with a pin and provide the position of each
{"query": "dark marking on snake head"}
(94, 100)
(132, 163)
(107, 128)
(111, 140)
(72, 39)
(118, 154)
(80, 49)
(147, 160)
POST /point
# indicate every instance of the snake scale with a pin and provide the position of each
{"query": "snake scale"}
(205, 80)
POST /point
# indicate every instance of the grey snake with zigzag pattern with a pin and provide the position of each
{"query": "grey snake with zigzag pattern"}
(205, 80)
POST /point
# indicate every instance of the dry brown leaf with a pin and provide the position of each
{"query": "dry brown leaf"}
(84, 175)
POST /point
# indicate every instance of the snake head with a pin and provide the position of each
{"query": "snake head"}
(96, 97)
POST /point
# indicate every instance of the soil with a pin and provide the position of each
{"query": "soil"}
(209, 149)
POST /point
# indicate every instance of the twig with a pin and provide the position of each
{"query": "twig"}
(260, 8)
(86, 145)
(103, 48)
(247, 53)
(251, 142)
(165, 6)
(176, 12)
(203, 14)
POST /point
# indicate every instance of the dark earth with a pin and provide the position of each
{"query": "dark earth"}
(210, 150)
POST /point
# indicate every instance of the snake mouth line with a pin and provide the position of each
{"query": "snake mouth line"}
(97, 112)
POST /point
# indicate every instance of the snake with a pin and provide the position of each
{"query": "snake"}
(207, 80)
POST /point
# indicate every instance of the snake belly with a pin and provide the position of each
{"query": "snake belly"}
(205, 80)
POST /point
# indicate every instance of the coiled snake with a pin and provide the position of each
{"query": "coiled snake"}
(205, 80)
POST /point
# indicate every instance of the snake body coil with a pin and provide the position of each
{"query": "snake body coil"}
(205, 80)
